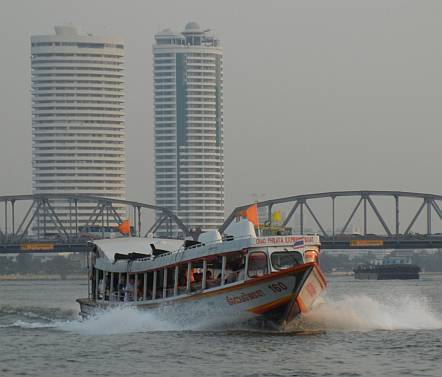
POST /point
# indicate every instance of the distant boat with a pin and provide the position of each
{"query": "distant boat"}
(391, 267)
(268, 281)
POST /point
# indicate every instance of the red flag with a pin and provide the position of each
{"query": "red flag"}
(124, 227)
(251, 214)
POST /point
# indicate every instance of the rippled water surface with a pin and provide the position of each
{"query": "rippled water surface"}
(364, 328)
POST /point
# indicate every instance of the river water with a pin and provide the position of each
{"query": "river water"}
(364, 328)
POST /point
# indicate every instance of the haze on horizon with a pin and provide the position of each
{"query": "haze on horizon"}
(318, 95)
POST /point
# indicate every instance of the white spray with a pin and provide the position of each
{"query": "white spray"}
(364, 313)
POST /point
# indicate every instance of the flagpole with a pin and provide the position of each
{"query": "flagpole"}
(262, 195)
(259, 229)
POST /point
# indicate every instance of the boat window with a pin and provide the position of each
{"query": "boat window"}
(258, 265)
(94, 283)
(170, 281)
(160, 279)
(122, 286)
(114, 287)
(149, 285)
(99, 284)
(286, 259)
(213, 273)
(104, 285)
(109, 286)
(139, 289)
(129, 289)
(235, 263)
(182, 279)
(196, 276)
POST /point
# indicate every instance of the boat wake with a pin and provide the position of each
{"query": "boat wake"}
(33, 316)
(349, 313)
(121, 320)
(126, 320)
(364, 313)
(116, 321)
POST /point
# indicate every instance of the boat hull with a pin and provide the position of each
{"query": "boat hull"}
(272, 301)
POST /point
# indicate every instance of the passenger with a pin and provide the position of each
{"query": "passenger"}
(197, 281)
(140, 290)
(159, 291)
(210, 281)
(129, 290)
(195, 278)
(115, 289)
(100, 289)
(218, 278)
(182, 282)
(230, 277)
(107, 287)
(122, 287)
(93, 283)
(149, 294)
(237, 273)
(241, 273)
(209, 275)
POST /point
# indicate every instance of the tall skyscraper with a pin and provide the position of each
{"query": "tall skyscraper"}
(78, 135)
(189, 161)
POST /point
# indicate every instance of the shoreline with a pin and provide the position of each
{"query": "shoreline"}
(351, 273)
(62, 276)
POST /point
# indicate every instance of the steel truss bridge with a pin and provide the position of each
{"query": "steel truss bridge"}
(54, 234)
(406, 220)
(388, 219)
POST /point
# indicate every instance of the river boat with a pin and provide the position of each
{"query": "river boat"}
(388, 268)
(267, 281)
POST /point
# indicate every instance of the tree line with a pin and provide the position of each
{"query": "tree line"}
(340, 262)
(27, 264)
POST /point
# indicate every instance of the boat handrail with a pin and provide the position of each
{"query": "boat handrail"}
(182, 249)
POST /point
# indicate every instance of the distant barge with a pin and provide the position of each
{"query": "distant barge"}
(387, 271)
(393, 266)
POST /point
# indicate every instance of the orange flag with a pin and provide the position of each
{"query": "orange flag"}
(251, 214)
(124, 227)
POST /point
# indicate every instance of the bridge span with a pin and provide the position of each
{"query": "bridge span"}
(58, 232)
(384, 219)
(387, 219)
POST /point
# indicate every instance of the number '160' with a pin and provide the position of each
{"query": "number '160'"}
(278, 287)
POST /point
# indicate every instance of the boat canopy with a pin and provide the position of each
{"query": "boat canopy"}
(129, 245)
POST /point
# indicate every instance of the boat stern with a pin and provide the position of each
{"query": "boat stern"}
(87, 307)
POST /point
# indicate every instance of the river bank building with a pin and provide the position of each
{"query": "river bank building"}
(78, 129)
(188, 111)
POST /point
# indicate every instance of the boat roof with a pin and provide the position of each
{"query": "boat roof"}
(127, 245)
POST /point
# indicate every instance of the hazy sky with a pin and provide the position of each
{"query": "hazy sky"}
(318, 95)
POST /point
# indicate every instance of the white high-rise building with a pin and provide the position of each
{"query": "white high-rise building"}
(188, 91)
(78, 132)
